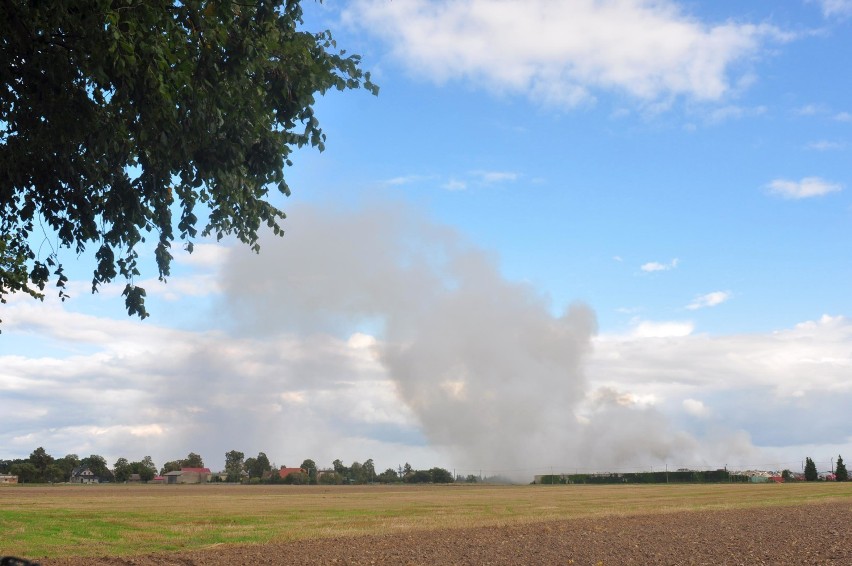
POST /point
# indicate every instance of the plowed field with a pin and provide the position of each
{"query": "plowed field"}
(818, 533)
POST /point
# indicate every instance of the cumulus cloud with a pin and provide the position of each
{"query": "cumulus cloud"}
(709, 300)
(652, 266)
(770, 385)
(806, 188)
(147, 390)
(561, 53)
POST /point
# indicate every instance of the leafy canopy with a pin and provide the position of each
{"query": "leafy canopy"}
(117, 114)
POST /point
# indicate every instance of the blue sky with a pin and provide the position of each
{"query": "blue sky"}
(566, 234)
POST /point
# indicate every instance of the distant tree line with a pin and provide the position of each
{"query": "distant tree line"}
(258, 470)
(41, 467)
(708, 476)
(691, 476)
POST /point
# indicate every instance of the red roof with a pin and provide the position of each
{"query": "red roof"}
(196, 470)
(284, 472)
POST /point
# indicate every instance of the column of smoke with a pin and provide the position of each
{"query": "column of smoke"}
(493, 376)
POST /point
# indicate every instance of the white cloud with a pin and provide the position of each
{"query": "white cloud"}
(493, 177)
(481, 179)
(652, 266)
(770, 385)
(806, 188)
(843, 117)
(207, 256)
(733, 112)
(709, 300)
(811, 110)
(824, 145)
(404, 180)
(835, 7)
(663, 329)
(695, 408)
(455, 185)
(561, 53)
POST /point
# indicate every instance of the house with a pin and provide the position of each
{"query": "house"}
(159, 479)
(284, 472)
(8, 479)
(82, 474)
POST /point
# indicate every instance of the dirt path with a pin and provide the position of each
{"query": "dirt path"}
(810, 534)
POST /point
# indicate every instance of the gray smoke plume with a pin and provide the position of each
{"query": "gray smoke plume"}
(494, 377)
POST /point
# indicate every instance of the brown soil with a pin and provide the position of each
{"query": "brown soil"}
(808, 534)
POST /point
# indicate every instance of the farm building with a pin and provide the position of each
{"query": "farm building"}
(173, 477)
(189, 475)
(284, 472)
(196, 475)
(8, 479)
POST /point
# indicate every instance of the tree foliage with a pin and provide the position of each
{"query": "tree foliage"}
(193, 460)
(388, 476)
(234, 461)
(810, 470)
(310, 468)
(118, 114)
(40, 459)
(121, 470)
(840, 472)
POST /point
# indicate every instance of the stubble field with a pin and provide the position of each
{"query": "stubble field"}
(227, 524)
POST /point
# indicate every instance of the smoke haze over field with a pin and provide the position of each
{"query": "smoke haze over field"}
(491, 376)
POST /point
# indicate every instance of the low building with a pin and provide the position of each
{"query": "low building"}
(189, 475)
(8, 479)
(195, 475)
(284, 472)
(173, 477)
(81, 474)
